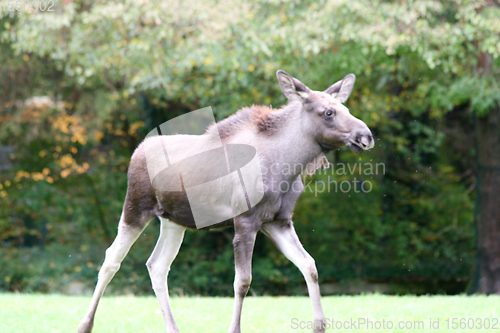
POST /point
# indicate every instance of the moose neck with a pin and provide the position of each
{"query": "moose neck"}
(292, 145)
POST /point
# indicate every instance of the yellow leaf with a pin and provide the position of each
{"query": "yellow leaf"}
(67, 161)
(251, 68)
(134, 127)
(37, 176)
(20, 175)
(79, 137)
(65, 173)
(98, 136)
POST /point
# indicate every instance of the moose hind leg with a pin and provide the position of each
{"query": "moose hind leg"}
(243, 243)
(127, 235)
(284, 236)
(164, 253)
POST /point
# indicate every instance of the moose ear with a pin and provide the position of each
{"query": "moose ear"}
(342, 89)
(292, 88)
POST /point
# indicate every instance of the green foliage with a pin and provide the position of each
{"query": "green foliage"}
(109, 71)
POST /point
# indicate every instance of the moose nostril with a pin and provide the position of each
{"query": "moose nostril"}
(365, 141)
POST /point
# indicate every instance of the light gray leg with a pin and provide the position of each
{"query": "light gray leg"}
(167, 248)
(284, 236)
(243, 243)
(115, 254)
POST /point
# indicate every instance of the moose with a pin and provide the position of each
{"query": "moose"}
(299, 133)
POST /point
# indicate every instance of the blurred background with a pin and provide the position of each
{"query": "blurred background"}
(81, 86)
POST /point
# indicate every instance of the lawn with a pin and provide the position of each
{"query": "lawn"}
(54, 313)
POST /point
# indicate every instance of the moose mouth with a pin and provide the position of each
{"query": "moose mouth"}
(354, 147)
(351, 145)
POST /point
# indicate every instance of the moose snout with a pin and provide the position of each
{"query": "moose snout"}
(364, 139)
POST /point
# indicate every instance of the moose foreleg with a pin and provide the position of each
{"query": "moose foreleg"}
(284, 236)
(243, 243)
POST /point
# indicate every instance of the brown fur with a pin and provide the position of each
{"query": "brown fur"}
(263, 118)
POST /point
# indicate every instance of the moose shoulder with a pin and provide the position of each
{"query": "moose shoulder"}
(312, 123)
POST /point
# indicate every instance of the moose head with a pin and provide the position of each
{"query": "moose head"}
(329, 120)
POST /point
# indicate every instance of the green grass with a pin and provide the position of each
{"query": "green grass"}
(54, 313)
